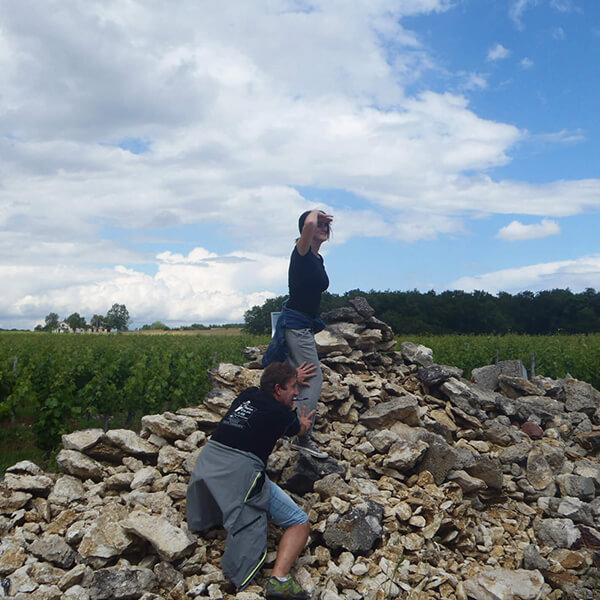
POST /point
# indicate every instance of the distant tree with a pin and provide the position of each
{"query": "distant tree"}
(258, 319)
(157, 325)
(51, 321)
(118, 317)
(76, 321)
(97, 321)
(457, 311)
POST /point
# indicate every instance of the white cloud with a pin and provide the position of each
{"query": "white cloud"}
(237, 119)
(562, 5)
(518, 7)
(558, 33)
(198, 287)
(564, 136)
(517, 231)
(475, 81)
(576, 275)
(498, 52)
(526, 63)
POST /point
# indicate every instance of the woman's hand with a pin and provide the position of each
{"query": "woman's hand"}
(304, 372)
(316, 218)
(306, 420)
(323, 217)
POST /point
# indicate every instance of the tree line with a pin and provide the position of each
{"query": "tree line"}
(459, 312)
(116, 318)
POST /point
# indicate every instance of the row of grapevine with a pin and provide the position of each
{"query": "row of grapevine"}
(64, 380)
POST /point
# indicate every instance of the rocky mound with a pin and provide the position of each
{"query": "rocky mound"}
(437, 487)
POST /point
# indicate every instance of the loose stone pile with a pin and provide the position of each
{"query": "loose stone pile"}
(437, 487)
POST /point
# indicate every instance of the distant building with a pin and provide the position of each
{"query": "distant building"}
(64, 327)
(90, 329)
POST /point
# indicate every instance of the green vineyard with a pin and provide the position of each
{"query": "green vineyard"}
(51, 384)
(64, 382)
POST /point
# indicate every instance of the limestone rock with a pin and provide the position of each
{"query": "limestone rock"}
(386, 414)
(332, 485)
(356, 530)
(328, 341)
(120, 583)
(487, 377)
(403, 455)
(580, 396)
(556, 533)
(417, 354)
(515, 387)
(351, 332)
(55, 550)
(144, 477)
(439, 460)
(169, 425)
(105, 538)
(78, 464)
(25, 467)
(575, 485)
(302, 473)
(35, 484)
(11, 500)
(539, 473)
(532, 560)
(131, 443)
(83, 440)
(488, 470)
(437, 374)
(362, 307)
(219, 400)
(505, 584)
(466, 397)
(171, 460)
(540, 407)
(346, 314)
(382, 439)
(171, 543)
(12, 557)
(66, 490)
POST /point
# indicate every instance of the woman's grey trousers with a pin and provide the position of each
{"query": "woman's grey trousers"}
(301, 347)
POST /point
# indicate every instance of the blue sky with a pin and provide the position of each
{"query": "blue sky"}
(165, 166)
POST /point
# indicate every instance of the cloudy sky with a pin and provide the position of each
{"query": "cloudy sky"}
(157, 154)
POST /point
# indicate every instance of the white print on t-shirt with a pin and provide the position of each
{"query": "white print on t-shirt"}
(241, 415)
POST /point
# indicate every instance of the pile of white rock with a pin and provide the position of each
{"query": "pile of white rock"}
(436, 487)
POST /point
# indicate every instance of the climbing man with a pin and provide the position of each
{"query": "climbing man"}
(229, 486)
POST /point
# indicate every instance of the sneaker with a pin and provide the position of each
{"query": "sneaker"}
(286, 590)
(306, 445)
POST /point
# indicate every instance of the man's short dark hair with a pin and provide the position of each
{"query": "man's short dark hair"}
(277, 373)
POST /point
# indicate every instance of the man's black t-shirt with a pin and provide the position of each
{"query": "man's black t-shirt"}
(307, 281)
(254, 423)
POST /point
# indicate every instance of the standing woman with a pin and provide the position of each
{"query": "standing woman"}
(307, 281)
